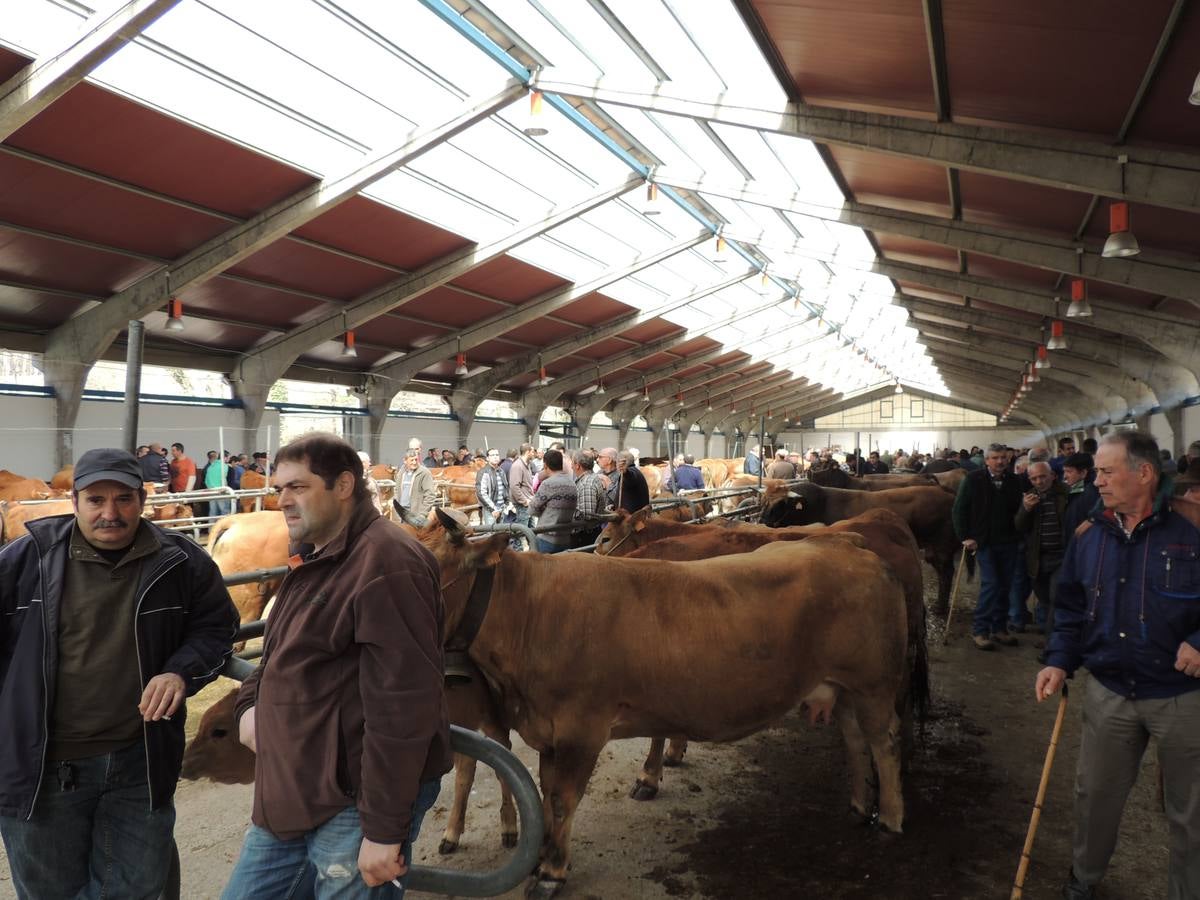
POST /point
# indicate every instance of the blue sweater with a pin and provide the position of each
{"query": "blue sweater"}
(1125, 604)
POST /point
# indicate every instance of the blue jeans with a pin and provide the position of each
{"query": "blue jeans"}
(997, 567)
(92, 833)
(321, 864)
(1018, 596)
(544, 546)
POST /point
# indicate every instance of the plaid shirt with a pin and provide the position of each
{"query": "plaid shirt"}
(591, 498)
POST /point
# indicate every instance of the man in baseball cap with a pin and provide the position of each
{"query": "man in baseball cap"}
(109, 622)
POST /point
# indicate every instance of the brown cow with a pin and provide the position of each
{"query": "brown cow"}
(655, 479)
(639, 536)
(216, 753)
(13, 516)
(248, 541)
(254, 481)
(15, 487)
(563, 643)
(64, 479)
(927, 510)
(714, 471)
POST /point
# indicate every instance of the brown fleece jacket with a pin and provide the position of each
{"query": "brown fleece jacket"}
(349, 702)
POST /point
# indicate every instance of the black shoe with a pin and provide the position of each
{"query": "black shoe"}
(1007, 639)
(1077, 890)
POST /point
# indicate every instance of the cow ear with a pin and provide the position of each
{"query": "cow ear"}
(450, 524)
(639, 525)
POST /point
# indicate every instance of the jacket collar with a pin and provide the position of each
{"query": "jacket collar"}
(1161, 506)
(364, 514)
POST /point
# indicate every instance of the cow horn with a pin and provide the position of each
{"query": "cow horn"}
(793, 495)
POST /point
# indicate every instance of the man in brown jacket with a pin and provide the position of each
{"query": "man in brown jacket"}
(346, 712)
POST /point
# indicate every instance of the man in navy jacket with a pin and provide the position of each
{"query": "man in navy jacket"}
(1128, 609)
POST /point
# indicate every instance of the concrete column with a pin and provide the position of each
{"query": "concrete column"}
(658, 427)
(708, 435)
(463, 406)
(67, 377)
(1178, 441)
(532, 417)
(623, 434)
(378, 404)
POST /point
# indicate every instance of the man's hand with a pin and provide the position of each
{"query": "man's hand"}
(162, 697)
(1030, 501)
(380, 863)
(971, 545)
(246, 733)
(1187, 660)
(1049, 681)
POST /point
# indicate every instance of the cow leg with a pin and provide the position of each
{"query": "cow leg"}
(877, 719)
(464, 778)
(858, 761)
(563, 786)
(675, 751)
(508, 810)
(646, 787)
(944, 566)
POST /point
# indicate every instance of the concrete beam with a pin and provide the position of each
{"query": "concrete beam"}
(482, 384)
(1056, 412)
(1170, 382)
(1133, 395)
(1158, 177)
(50, 76)
(1155, 273)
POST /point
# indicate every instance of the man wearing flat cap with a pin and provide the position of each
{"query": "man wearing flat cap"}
(106, 623)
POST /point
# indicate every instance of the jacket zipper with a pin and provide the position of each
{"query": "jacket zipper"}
(45, 678)
(141, 675)
(1168, 573)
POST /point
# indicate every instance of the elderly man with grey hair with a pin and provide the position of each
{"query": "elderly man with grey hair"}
(415, 491)
(984, 512)
(1040, 519)
(627, 488)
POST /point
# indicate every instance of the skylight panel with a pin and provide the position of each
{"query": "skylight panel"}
(806, 167)
(727, 45)
(655, 28)
(335, 41)
(692, 139)
(38, 27)
(485, 183)
(154, 79)
(756, 155)
(524, 19)
(417, 197)
(520, 160)
(598, 39)
(561, 259)
(654, 138)
(431, 42)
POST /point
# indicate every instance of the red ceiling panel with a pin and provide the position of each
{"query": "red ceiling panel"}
(656, 361)
(1021, 205)
(11, 63)
(1180, 308)
(35, 309)
(881, 180)
(368, 228)
(577, 362)
(1073, 65)
(1003, 270)
(543, 332)
(1156, 228)
(328, 355)
(492, 352)
(1019, 315)
(695, 345)
(141, 146)
(731, 356)
(594, 309)
(912, 250)
(606, 348)
(305, 267)
(1116, 293)
(509, 279)
(859, 54)
(49, 199)
(451, 307)
(220, 336)
(40, 261)
(231, 298)
(654, 330)
(400, 334)
(917, 290)
(1165, 116)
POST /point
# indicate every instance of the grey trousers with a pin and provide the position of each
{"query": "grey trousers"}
(1115, 734)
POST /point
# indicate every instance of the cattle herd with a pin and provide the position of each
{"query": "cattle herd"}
(673, 631)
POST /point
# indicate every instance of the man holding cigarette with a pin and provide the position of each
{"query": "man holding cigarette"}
(107, 622)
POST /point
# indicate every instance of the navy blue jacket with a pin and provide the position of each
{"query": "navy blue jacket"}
(185, 624)
(687, 478)
(1125, 605)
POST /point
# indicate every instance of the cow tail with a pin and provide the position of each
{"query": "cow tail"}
(918, 673)
(222, 525)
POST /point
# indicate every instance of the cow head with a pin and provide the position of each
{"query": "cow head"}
(799, 505)
(620, 537)
(215, 752)
(447, 537)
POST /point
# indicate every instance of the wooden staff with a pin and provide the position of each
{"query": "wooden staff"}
(962, 564)
(1041, 796)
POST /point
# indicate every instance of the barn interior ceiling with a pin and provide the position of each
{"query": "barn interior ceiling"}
(714, 210)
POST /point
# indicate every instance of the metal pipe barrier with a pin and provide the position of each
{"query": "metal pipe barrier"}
(438, 880)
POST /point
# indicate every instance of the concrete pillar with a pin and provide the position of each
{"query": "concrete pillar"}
(378, 404)
(708, 434)
(532, 417)
(1178, 440)
(623, 434)
(67, 378)
(463, 406)
(658, 436)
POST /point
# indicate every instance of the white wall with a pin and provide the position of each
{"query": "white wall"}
(925, 441)
(28, 430)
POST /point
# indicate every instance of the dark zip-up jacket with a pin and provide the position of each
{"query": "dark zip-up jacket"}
(185, 623)
(984, 514)
(1125, 604)
(349, 702)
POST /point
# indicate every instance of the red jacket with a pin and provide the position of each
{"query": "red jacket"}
(349, 702)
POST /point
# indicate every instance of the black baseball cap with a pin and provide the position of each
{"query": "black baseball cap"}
(107, 464)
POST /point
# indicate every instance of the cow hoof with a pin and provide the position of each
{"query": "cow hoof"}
(508, 840)
(446, 847)
(858, 817)
(672, 762)
(643, 790)
(887, 833)
(543, 888)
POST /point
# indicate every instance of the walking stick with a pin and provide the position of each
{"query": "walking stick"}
(1041, 796)
(962, 564)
